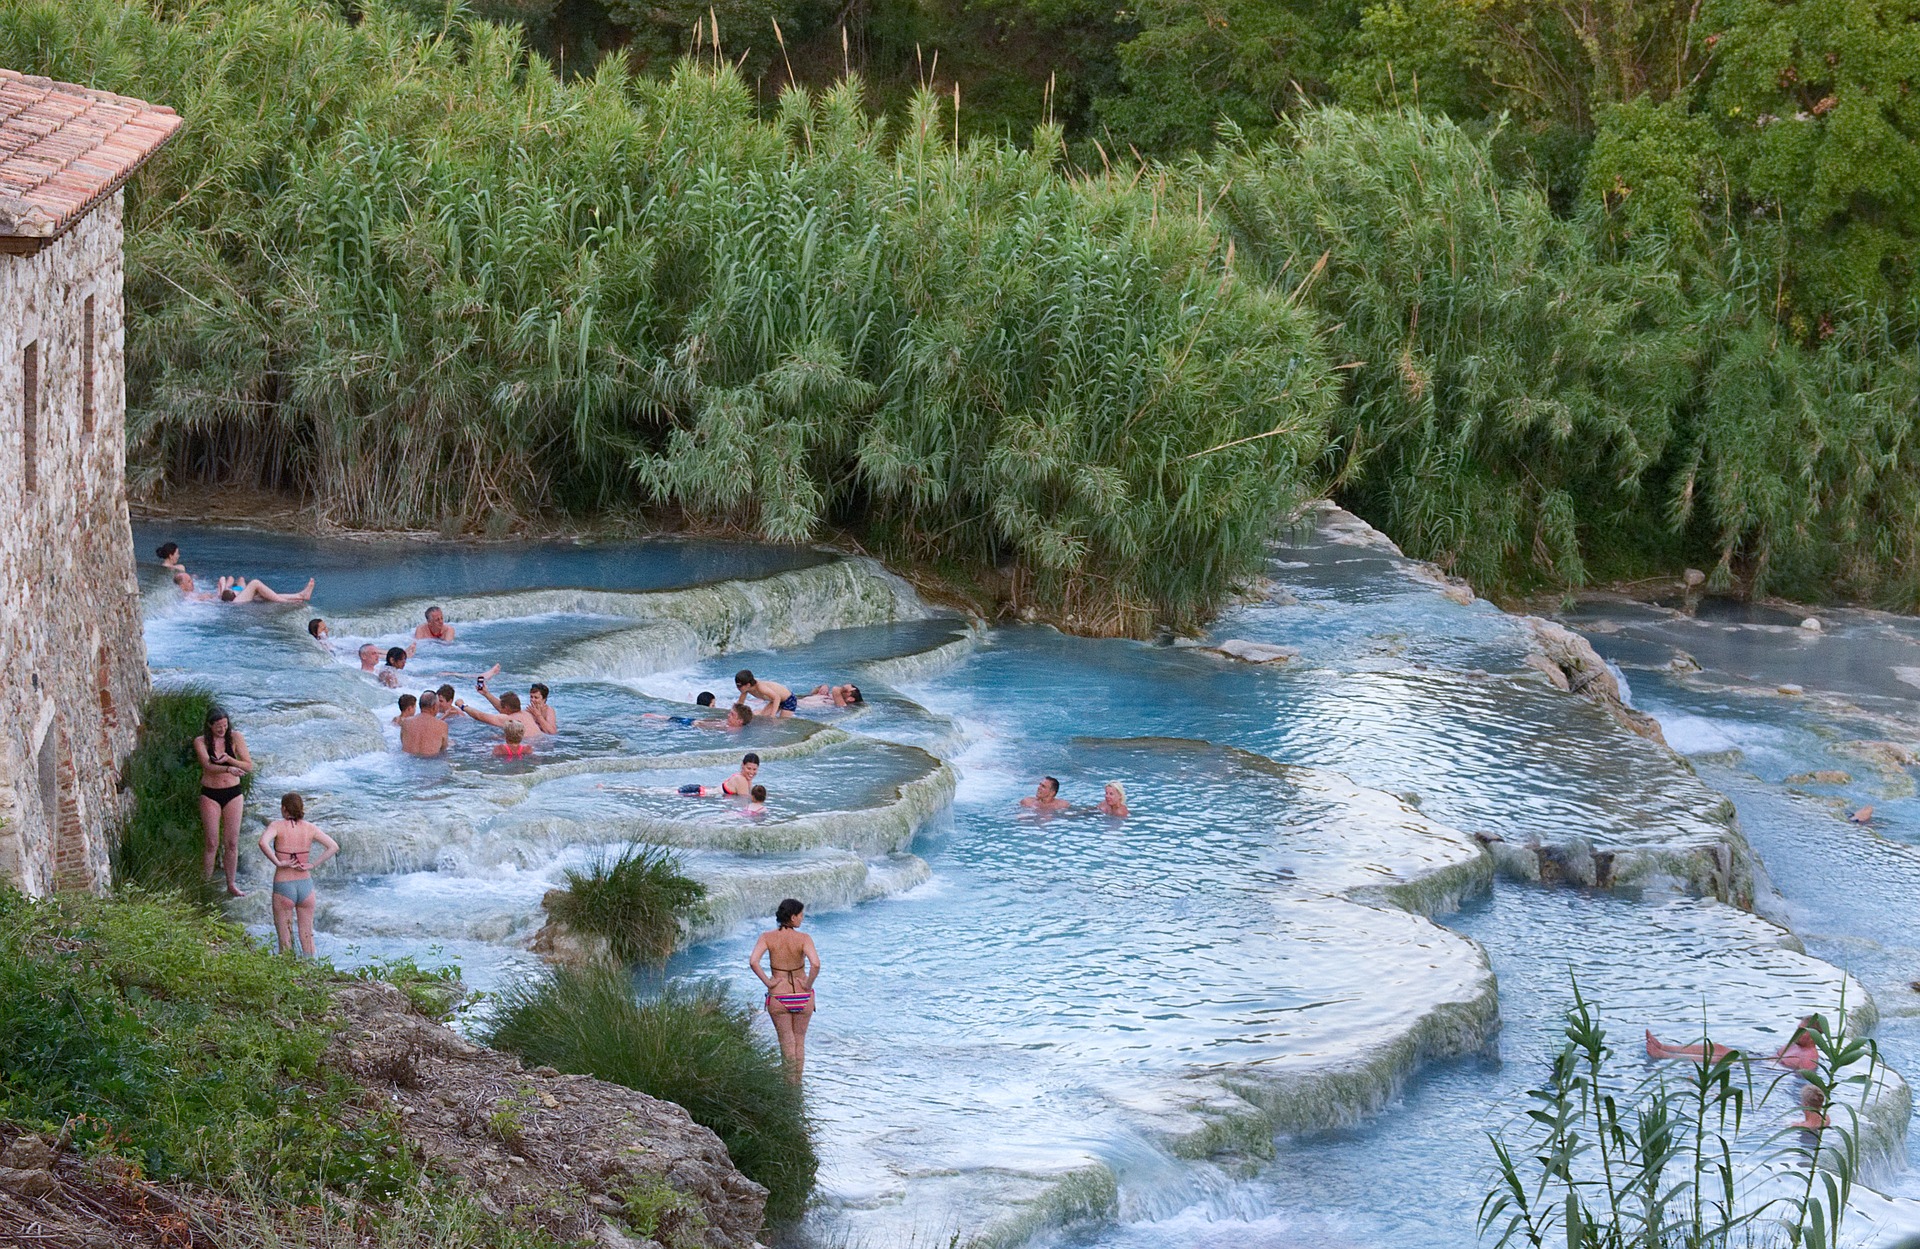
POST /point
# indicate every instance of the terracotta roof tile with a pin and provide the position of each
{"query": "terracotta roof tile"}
(65, 148)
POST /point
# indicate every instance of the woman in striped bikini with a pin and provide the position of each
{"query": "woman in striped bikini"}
(792, 967)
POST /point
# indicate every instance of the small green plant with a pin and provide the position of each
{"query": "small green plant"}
(505, 1122)
(161, 844)
(685, 1044)
(636, 899)
(1656, 1162)
(436, 992)
(658, 1211)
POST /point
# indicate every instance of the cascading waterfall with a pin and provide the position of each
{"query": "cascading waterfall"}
(1280, 1004)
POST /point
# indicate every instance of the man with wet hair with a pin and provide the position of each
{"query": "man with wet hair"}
(1046, 797)
(779, 700)
(435, 629)
(424, 735)
(443, 703)
(407, 712)
(369, 659)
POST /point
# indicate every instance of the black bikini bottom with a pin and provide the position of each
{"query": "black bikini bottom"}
(222, 796)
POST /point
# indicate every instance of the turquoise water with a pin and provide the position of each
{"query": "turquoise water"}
(1030, 1024)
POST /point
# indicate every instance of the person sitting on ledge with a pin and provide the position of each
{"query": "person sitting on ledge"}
(1046, 797)
(1800, 1053)
(778, 698)
(436, 629)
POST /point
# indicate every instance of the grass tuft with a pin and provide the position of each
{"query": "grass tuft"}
(637, 900)
(163, 841)
(685, 1044)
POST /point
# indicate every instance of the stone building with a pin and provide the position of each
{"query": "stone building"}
(73, 664)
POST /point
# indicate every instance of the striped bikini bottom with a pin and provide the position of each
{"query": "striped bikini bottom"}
(793, 1003)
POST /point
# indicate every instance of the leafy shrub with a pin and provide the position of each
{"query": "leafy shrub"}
(689, 1045)
(162, 842)
(636, 900)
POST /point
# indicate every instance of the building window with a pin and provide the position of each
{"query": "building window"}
(87, 331)
(30, 408)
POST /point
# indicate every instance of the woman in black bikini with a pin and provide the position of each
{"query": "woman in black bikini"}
(792, 967)
(224, 765)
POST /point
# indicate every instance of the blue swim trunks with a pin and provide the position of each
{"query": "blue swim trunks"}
(790, 703)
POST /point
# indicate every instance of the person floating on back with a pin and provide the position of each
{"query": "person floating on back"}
(824, 696)
(288, 845)
(793, 964)
(779, 700)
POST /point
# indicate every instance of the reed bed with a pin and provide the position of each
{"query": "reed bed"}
(409, 272)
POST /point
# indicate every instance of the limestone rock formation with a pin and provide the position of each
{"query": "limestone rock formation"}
(1571, 663)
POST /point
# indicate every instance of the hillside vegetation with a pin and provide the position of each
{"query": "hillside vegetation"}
(1548, 302)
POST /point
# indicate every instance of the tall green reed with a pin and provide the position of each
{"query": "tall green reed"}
(1614, 1160)
(408, 271)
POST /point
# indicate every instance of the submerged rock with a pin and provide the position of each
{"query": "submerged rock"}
(1254, 652)
(1826, 776)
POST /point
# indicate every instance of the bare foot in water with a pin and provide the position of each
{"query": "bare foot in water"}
(307, 593)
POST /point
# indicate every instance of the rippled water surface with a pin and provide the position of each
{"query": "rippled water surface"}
(1026, 1021)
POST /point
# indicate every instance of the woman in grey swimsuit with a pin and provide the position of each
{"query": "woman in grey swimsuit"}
(288, 844)
(224, 765)
(792, 966)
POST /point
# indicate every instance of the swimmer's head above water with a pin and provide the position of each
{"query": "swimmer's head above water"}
(169, 553)
(369, 656)
(317, 629)
(739, 716)
(759, 793)
(705, 699)
(396, 657)
(429, 702)
(407, 704)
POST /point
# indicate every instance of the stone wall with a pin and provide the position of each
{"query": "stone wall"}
(73, 664)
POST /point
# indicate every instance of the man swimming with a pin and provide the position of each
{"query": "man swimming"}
(778, 698)
(369, 659)
(436, 627)
(824, 696)
(1046, 797)
(424, 735)
(738, 717)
